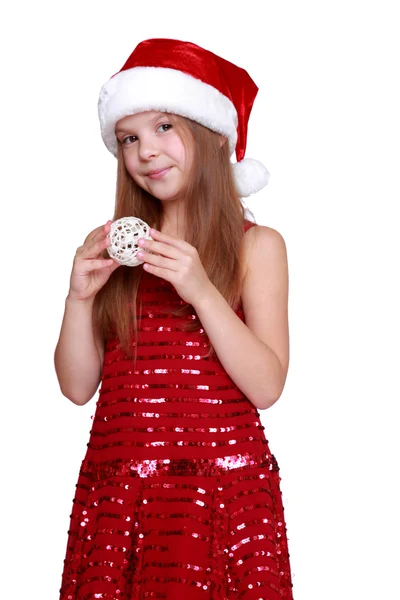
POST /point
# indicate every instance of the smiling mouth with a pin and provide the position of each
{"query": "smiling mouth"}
(159, 173)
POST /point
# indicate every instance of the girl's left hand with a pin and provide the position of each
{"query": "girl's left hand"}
(175, 261)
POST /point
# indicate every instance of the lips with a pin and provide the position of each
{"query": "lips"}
(158, 173)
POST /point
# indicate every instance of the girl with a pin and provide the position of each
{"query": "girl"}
(178, 495)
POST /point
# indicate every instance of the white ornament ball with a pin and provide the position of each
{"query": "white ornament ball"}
(124, 236)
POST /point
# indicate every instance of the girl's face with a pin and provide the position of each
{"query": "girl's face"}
(154, 154)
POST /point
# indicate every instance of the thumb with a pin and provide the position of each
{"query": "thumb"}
(114, 266)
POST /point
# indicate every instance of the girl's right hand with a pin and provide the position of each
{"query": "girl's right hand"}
(90, 269)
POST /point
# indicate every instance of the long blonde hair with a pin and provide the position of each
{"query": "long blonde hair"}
(214, 226)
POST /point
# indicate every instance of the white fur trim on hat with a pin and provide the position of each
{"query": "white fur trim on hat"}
(250, 176)
(168, 90)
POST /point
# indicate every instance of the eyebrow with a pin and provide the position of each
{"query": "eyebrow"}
(158, 116)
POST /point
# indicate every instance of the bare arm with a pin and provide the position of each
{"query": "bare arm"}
(79, 353)
(255, 354)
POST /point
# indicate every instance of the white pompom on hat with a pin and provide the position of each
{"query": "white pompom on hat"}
(184, 79)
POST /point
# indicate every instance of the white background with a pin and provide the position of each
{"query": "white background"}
(326, 124)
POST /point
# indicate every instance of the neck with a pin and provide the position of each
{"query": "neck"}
(173, 221)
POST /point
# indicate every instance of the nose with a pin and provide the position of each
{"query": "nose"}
(148, 148)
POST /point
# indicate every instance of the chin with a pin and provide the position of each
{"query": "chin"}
(166, 196)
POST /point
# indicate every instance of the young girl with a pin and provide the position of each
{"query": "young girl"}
(178, 495)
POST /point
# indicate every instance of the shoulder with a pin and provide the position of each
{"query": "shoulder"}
(263, 247)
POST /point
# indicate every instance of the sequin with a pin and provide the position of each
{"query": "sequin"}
(178, 494)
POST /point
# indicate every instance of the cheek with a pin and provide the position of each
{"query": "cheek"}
(132, 168)
(131, 164)
(177, 149)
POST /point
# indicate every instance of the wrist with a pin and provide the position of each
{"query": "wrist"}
(203, 301)
(72, 300)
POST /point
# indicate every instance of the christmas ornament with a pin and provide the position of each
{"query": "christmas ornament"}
(124, 235)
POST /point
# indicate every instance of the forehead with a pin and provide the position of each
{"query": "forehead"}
(138, 119)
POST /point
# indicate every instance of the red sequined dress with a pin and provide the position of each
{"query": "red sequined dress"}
(178, 495)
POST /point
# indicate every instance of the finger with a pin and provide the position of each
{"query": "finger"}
(159, 261)
(158, 271)
(104, 231)
(93, 250)
(98, 263)
(112, 264)
(90, 236)
(160, 248)
(169, 239)
(99, 232)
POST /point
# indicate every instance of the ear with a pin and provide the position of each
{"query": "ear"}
(222, 140)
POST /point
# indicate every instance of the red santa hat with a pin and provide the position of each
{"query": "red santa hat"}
(184, 79)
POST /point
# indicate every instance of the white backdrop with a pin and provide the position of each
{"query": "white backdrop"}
(326, 124)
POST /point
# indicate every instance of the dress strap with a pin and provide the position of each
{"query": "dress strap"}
(248, 225)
